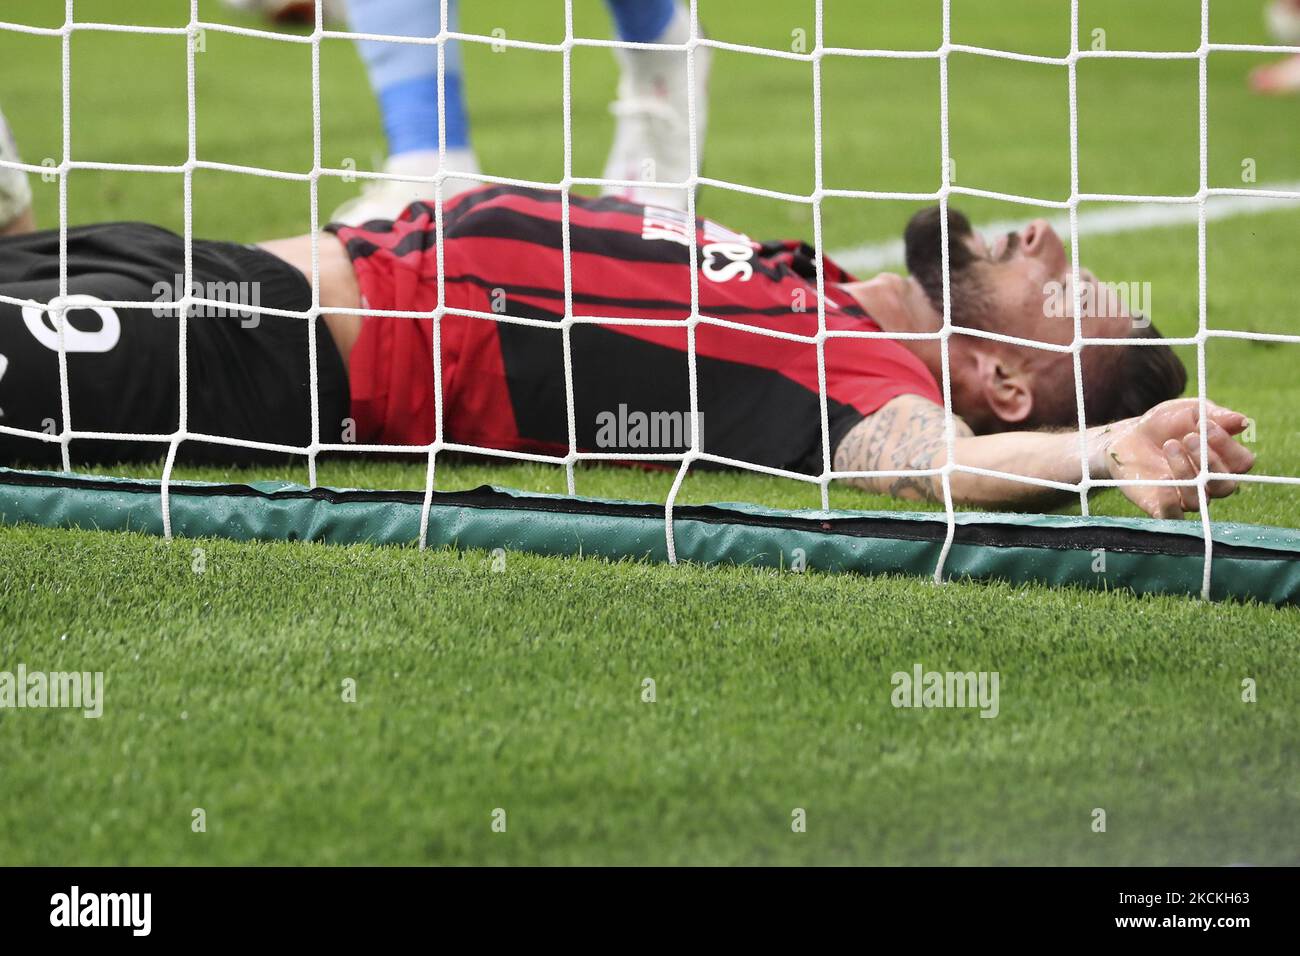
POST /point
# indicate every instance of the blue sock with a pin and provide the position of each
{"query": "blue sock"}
(405, 76)
(410, 111)
(641, 21)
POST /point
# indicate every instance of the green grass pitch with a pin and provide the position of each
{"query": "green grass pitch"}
(522, 689)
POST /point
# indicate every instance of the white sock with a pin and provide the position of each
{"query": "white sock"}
(642, 66)
(424, 162)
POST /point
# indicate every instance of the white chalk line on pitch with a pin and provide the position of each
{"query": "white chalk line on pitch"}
(873, 257)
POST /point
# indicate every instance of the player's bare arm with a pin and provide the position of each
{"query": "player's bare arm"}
(336, 282)
(908, 435)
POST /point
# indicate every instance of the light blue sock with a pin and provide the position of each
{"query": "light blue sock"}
(405, 76)
(641, 21)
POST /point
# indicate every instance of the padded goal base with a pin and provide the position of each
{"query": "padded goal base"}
(1141, 555)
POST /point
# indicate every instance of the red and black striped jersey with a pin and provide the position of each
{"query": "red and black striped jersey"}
(504, 383)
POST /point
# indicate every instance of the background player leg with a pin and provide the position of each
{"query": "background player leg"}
(292, 11)
(404, 77)
(651, 139)
(1284, 75)
(15, 193)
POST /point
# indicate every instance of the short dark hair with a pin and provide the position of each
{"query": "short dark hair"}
(1119, 381)
(1144, 376)
(923, 252)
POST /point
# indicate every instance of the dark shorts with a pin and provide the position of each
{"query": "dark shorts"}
(248, 375)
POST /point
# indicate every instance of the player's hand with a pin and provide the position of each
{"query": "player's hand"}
(1165, 443)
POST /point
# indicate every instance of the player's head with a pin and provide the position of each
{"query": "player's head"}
(1020, 284)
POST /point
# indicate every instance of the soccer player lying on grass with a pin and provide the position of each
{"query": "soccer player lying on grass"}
(504, 383)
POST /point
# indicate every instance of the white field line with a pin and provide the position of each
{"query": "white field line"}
(1124, 217)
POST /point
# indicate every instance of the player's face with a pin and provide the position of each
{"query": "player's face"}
(1028, 280)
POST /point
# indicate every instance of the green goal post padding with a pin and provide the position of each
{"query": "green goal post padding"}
(1142, 555)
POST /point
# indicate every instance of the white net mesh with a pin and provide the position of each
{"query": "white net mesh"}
(196, 27)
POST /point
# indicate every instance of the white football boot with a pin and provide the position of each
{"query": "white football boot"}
(15, 192)
(651, 138)
(386, 198)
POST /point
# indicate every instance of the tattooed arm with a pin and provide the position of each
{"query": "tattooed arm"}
(907, 434)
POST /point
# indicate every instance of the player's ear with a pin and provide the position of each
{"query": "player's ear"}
(1007, 387)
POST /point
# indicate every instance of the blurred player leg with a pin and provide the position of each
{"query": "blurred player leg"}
(1284, 75)
(15, 193)
(404, 77)
(292, 11)
(651, 136)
